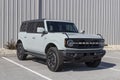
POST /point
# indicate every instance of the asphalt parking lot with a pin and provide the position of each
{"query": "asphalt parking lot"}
(35, 69)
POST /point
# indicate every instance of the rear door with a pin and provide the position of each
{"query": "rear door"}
(29, 36)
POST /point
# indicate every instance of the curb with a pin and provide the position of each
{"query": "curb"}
(112, 47)
(7, 55)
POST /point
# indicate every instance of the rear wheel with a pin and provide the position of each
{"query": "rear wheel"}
(54, 59)
(21, 52)
(94, 63)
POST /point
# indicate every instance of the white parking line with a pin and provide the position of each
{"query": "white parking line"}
(112, 57)
(110, 68)
(26, 68)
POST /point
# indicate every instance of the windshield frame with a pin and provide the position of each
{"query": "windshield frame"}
(62, 23)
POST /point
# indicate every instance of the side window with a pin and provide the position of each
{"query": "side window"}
(31, 28)
(23, 27)
(38, 24)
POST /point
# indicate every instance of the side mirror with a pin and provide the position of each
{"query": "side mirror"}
(82, 31)
(40, 30)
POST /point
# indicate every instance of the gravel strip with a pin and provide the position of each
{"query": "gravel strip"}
(7, 52)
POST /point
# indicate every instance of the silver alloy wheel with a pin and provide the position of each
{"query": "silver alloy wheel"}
(51, 59)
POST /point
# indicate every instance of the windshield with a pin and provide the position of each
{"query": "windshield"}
(61, 27)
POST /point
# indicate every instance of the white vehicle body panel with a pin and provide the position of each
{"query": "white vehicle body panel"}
(22, 37)
(78, 35)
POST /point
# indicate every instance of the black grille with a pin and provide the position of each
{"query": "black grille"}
(87, 43)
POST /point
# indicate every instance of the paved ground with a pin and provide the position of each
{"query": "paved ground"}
(35, 69)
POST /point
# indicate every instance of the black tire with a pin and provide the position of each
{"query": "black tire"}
(54, 59)
(94, 63)
(21, 52)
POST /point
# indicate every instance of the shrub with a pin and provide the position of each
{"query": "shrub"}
(11, 45)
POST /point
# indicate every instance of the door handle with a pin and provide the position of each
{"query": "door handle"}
(33, 37)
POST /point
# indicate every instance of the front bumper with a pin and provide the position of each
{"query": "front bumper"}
(82, 55)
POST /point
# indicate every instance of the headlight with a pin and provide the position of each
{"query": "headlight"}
(102, 42)
(70, 43)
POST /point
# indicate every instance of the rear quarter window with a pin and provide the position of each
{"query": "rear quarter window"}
(23, 27)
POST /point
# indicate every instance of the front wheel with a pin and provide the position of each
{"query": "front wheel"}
(54, 59)
(21, 52)
(94, 63)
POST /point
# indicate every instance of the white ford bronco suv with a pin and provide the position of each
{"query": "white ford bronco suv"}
(58, 42)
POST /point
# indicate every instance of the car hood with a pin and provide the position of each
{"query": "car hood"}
(78, 35)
